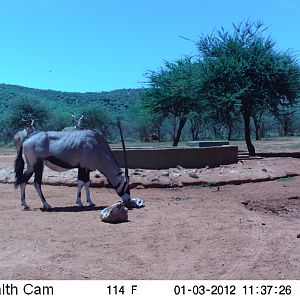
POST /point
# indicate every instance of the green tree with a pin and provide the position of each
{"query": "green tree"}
(23, 109)
(171, 92)
(97, 118)
(286, 118)
(145, 122)
(59, 120)
(197, 120)
(243, 72)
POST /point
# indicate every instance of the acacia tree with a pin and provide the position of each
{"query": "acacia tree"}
(171, 92)
(24, 108)
(257, 115)
(244, 72)
(97, 118)
(195, 125)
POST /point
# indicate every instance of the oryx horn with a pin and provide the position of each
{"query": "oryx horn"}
(124, 150)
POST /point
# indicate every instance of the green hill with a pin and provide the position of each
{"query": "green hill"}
(115, 101)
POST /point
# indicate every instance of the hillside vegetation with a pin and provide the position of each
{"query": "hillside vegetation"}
(117, 100)
(58, 107)
(126, 104)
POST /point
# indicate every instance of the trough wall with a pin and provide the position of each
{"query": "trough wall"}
(206, 143)
(164, 158)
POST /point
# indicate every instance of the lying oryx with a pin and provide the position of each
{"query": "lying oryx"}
(86, 150)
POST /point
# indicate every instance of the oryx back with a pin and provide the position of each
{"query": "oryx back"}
(71, 149)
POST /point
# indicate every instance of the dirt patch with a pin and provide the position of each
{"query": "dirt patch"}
(280, 207)
(182, 233)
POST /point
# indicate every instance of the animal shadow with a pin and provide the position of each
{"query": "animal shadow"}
(74, 208)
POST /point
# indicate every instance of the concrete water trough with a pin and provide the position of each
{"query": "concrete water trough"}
(186, 157)
(206, 143)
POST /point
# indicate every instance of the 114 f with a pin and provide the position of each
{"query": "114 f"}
(120, 290)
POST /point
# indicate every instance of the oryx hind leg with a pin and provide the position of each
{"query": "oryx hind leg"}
(25, 177)
(38, 175)
(84, 180)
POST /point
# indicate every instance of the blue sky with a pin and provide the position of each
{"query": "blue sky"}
(97, 45)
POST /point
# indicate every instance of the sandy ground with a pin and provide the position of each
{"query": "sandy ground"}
(245, 231)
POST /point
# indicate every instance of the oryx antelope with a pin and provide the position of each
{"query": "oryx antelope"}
(21, 135)
(86, 150)
(78, 123)
(78, 126)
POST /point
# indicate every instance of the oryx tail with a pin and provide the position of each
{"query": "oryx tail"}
(19, 167)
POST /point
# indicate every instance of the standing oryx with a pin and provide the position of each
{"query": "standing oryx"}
(86, 150)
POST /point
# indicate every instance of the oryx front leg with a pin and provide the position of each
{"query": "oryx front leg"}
(88, 195)
(79, 188)
(38, 170)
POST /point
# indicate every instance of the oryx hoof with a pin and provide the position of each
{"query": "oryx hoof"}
(26, 207)
(47, 207)
(134, 203)
(91, 204)
(79, 205)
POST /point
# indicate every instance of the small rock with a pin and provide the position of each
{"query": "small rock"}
(136, 173)
(179, 167)
(263, 223)
(298, 236)
(245, 202)
(166, 173)
(114, 213)
(176, 175)
(155, 179)
(264, 170)
(193, 174)
(140, 187)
